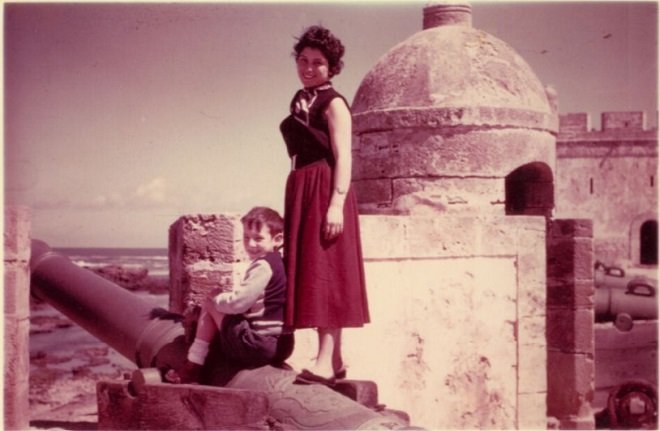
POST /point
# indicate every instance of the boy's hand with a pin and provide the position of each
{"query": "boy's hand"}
(207, 303)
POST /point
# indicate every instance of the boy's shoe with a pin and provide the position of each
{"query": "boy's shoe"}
(188, 373)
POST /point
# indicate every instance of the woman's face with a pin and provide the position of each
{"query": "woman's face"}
(312, 67)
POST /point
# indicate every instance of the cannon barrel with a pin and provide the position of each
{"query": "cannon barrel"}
(620, 294)
(117, 317)
(126, 322)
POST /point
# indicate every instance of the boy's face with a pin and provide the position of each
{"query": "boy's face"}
(258, 242)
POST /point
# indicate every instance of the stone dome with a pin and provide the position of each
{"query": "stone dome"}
(461, 74)
(452, 120)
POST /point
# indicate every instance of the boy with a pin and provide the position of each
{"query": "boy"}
(248, 319)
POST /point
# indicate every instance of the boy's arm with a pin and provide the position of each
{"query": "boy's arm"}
(246, 294)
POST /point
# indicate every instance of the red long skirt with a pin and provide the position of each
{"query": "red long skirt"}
(325, 279)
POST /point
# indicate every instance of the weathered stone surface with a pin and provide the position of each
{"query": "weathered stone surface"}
(407, 169)
(594, 171)
(531, 411)
(182, 407)
(570, 228)
(16, 405)
(374, 195)
(453, 66)
(448, 195)
(571, 330)
(570, 384)
(449, 360)
(570, 259)
(574, 122)
(569, 293)
(623, 120)
(361, 391)
(17, 231)
(206, 253)
(531, 358)
(584, 422)
(17, 289)
(439, 152)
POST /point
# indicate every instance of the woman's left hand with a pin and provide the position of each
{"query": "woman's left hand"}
(334, 223)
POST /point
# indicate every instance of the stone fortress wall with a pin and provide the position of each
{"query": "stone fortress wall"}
(610, 176)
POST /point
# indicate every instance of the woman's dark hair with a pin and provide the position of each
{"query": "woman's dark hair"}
(321, 38)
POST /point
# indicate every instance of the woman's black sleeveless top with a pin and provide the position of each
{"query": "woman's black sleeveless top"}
(305, 130)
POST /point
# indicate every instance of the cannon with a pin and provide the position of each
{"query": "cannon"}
(260, 398)
(623, 297)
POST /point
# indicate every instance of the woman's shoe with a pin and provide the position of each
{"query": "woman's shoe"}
(340, 374)
(307, 377)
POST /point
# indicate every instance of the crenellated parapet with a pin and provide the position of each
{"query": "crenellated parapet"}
(627, 125)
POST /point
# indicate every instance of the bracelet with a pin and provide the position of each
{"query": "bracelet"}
(340, 191)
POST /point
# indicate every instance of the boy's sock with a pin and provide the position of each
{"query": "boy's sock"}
(198, 351)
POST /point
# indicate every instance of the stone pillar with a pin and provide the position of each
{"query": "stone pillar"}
(204, 253)
(17, 318)
(570, 323)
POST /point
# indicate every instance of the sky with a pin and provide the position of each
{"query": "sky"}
(119, 118)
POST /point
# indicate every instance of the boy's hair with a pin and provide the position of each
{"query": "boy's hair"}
(259, 216)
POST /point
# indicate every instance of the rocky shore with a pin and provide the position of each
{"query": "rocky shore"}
(66, 362)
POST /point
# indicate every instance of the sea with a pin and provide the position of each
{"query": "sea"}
(155, 260)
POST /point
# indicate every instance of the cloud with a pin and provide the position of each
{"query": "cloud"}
(113, 200)
(154, 193)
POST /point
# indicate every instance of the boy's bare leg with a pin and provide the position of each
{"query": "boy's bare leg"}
(207, 326)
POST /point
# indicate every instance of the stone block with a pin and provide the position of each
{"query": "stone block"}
(570, 259)
(584, 422)
(17, 289)
(373, 195)
(211, 237)
(532, 378)
(16, 344)
(448, 195)
(571, 330)
(570, 293)
(182, 407)
(574, 122)
(532, 329)
(623, 120)
(17, 371)
(364, 392)
(203, 252)
(571, 228)
(17, 233)
(16, 413)
(570, 383)
(532, 411)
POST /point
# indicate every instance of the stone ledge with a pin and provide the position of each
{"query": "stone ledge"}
(482, 116)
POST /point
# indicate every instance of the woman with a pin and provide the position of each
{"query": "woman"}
(322, 251)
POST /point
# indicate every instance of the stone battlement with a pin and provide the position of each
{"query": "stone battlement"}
(579, 122)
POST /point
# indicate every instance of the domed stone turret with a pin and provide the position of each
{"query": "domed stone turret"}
(445, 116)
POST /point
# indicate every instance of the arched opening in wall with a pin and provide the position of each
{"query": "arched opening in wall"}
(648, 243)
(529, 190)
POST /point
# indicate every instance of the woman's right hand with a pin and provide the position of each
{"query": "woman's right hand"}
(334, 222)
